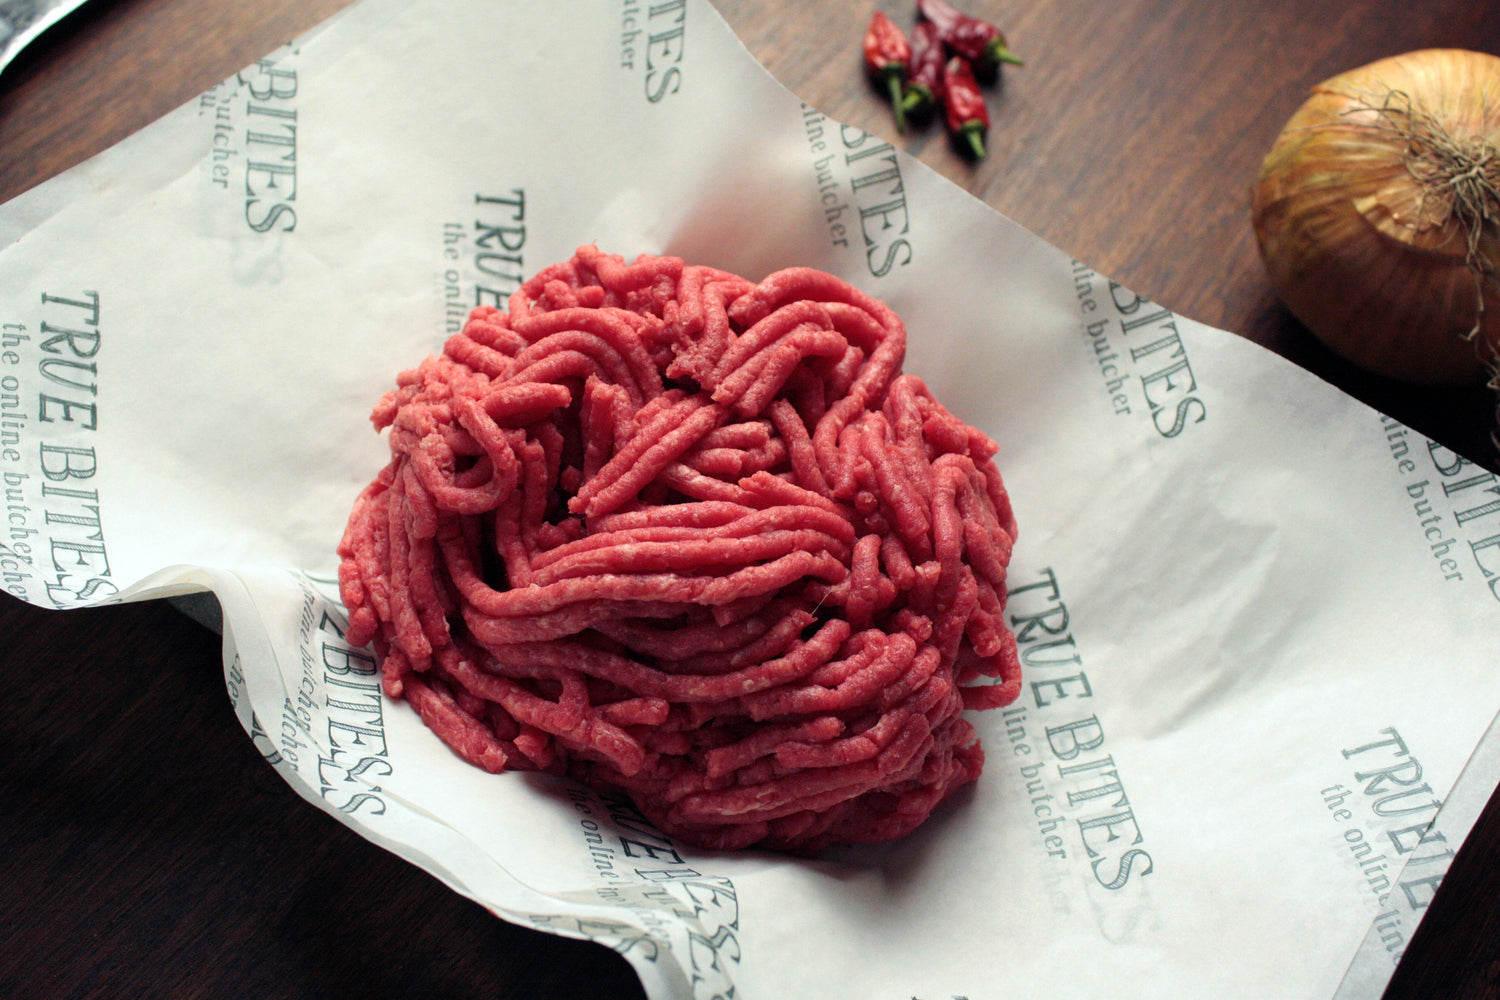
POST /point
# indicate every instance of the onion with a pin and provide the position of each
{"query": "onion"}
(1377, 211)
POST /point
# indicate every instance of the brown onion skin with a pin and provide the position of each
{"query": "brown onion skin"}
(1341, 226)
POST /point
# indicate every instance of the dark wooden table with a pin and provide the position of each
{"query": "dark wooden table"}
(147, 851)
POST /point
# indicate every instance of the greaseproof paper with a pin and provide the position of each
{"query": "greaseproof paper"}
(1258, 620)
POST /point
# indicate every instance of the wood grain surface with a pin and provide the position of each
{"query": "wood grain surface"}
(145, 848)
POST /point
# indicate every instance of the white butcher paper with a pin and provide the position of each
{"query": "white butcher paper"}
(1259, 620)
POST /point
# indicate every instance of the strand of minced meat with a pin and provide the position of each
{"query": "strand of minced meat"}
(670, 531)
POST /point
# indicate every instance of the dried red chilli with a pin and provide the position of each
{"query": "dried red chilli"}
(964, 108)
(924, 83)
(675, 533)
(980, 42)
(887, 57)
